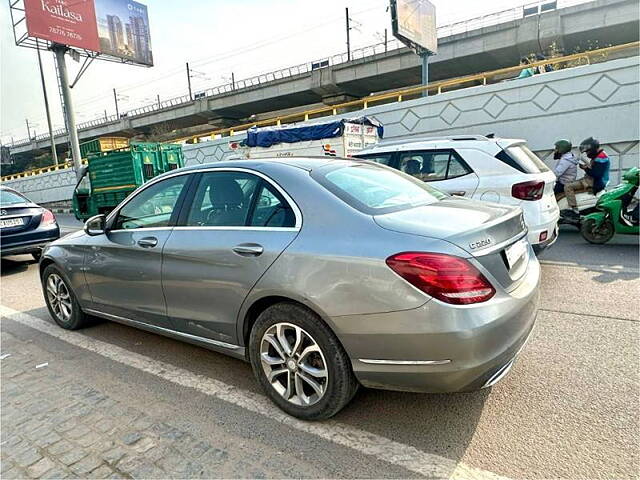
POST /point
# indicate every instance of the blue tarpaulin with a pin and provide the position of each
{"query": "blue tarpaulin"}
(268, 136)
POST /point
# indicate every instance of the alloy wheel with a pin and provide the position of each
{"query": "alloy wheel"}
(59, 297)
(294, 364)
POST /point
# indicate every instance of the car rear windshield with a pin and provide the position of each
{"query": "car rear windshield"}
(8, 197)
(376, 190)
(522, 159)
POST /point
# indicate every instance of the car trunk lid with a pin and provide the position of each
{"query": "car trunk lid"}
(16, 218)
(493, 234)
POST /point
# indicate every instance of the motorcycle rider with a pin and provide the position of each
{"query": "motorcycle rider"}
(596, 172)
(566, 167)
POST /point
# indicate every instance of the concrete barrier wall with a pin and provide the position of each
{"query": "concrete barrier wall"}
(46, 188)
(598, 100)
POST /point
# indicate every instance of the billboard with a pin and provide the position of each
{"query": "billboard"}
(414, 24)
(118, 28)
(123, 30)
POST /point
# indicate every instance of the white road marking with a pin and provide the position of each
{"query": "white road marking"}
(395, 453)
(604, 268)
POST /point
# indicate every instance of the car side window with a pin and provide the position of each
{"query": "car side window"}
(271, 209)
(431, 166)
(381, 158)
(457, 167)
(223, 199)
(153, 207)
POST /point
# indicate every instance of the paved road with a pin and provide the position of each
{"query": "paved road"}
(115, 401)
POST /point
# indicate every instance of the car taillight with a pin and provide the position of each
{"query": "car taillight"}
(531, 190)
(445, 277)
(47, 218)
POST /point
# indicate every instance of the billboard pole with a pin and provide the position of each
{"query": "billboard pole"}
(54, 154)
(425, 72)
(60, 51)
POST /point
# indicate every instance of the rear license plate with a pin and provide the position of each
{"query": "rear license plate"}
(11, 222)
(515, 252)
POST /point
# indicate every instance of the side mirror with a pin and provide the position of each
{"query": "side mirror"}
(83, 170)
(95, 225)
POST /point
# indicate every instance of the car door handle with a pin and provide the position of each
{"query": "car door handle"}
(148, 242)
(248, 249)
(458, 194)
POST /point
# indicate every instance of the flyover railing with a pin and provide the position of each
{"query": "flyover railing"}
(462, 26)
(434, 88)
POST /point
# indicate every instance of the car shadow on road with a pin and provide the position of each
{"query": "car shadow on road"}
(12, 267)
(438, 424)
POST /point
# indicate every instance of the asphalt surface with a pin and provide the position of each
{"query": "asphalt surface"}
(568, 409)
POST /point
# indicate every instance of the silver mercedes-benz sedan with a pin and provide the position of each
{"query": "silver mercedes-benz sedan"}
(325, 274)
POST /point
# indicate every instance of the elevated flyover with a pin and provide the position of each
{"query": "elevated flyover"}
(600, 100)
(598, 23)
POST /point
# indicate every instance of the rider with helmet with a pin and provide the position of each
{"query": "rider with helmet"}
(596, 172)
(566, 168)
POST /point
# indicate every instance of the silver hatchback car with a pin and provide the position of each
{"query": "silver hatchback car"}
(323, 273)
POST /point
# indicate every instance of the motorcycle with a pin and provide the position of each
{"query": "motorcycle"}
(613, 213)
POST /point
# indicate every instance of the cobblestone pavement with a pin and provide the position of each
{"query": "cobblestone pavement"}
(55, 426)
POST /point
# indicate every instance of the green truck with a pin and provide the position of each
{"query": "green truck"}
(108, 177)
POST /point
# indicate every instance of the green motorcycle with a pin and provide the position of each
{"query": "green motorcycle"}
(613, 214)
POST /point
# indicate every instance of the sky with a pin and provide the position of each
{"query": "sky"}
(216, 37)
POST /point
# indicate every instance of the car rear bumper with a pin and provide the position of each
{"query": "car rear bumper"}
(540, 223)
(442, 348)
(28, 242)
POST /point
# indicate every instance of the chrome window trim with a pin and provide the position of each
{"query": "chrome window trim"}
(216, 343)
(266, 178)
(142, 229)
(239, 228)
(404, 362)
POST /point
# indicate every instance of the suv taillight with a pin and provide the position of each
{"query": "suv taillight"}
(531, 190)
(47, 218)
(445, 277)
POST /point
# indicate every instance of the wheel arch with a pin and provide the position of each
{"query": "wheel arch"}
(251, 310)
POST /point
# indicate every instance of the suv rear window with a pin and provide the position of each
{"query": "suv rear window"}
(376, 190)
(522, 159)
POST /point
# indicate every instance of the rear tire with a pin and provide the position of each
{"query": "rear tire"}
(310, 373)
(592, 234)
(61, 301)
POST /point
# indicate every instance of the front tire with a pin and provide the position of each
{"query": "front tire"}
(61, 301)
(597, 235)
(300, 363)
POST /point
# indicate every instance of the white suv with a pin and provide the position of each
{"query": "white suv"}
(492, 169)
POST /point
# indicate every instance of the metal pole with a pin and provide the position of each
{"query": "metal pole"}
(28, 129)
(385, 40)
(189, 82)
(158, 101)
(115, 99)
(348, 40)
(106, 117)
(233, 81)
(68, 104)
(425, 72)
(54, 153)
